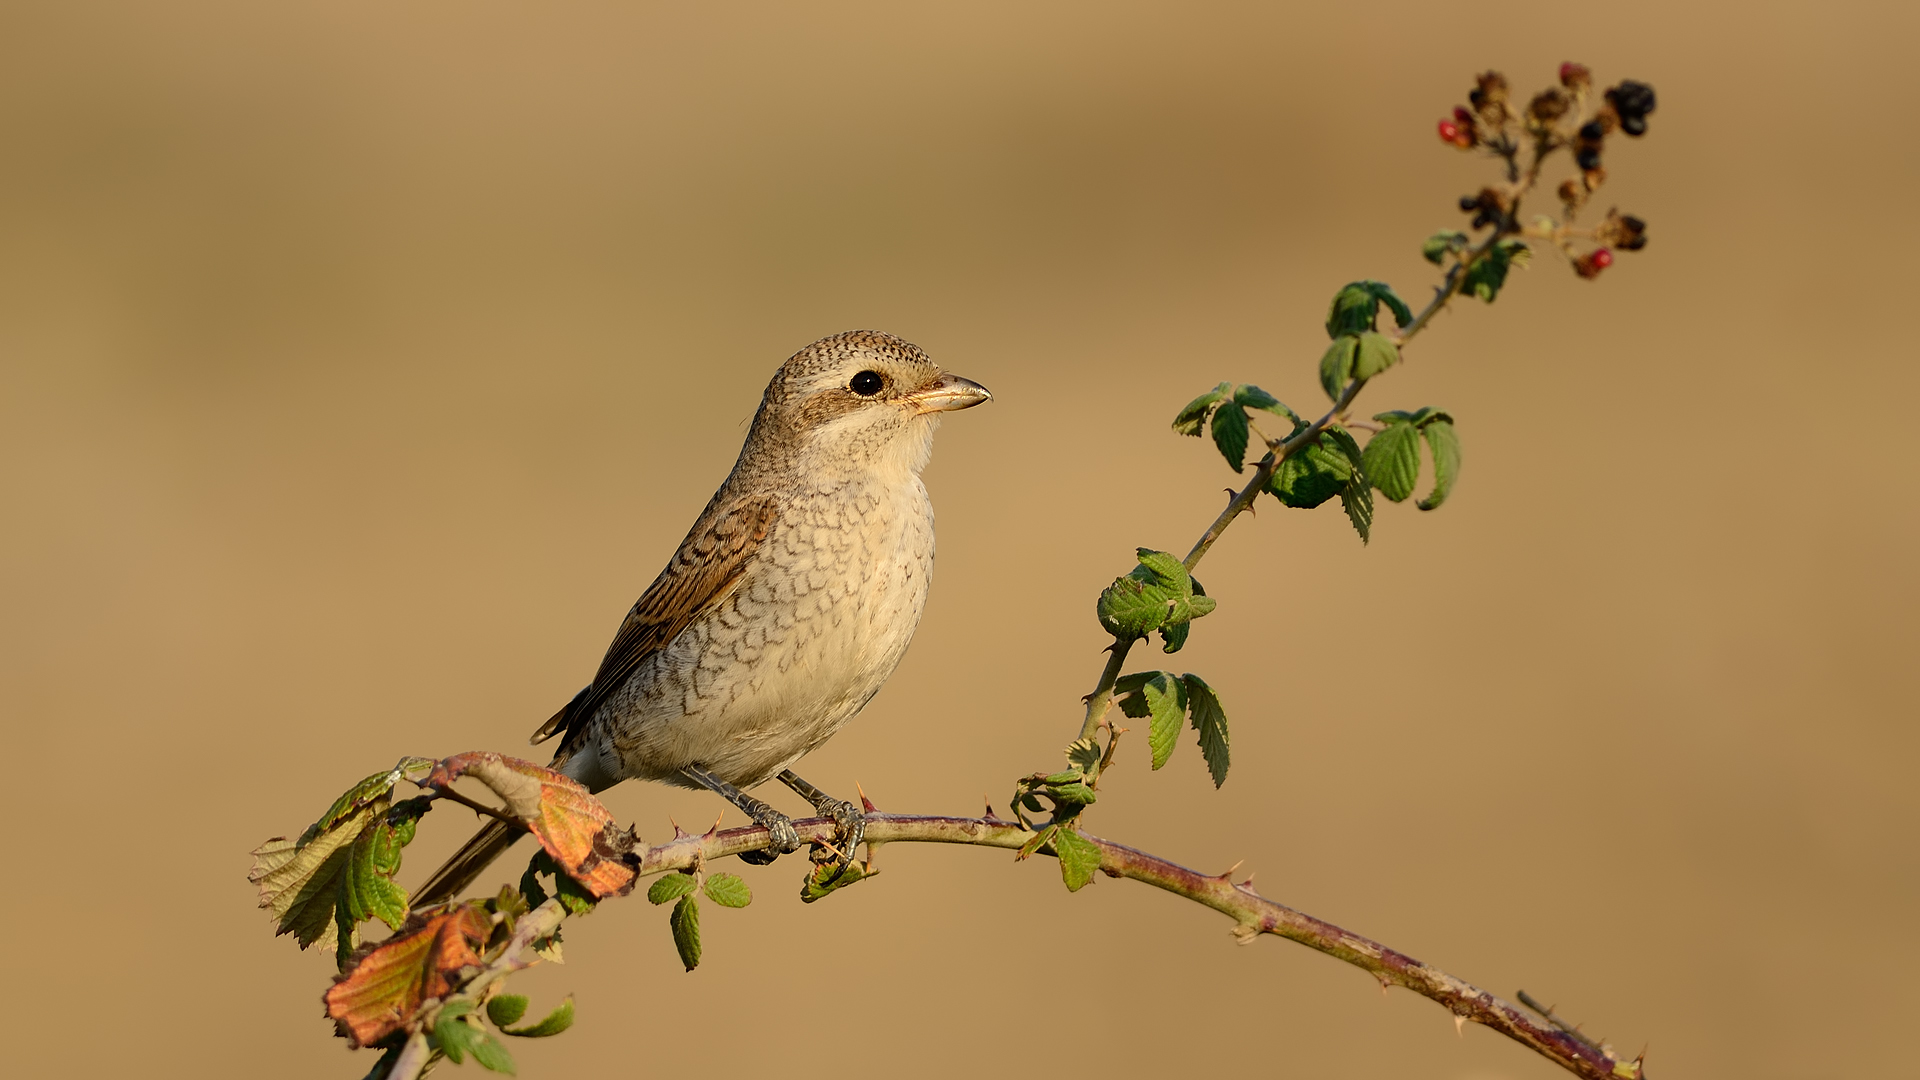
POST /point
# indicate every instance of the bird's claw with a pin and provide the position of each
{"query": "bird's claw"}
(782, 838)
(849, 830)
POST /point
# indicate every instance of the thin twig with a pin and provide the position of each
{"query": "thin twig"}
(479, 807)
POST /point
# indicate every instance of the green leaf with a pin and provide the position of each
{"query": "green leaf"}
(1375, 354)
(1402, 314)
(669, 887)
(1336, 365)
(826, 879)
(1313, 474)
(374, 789)
(685, 921)
(1357, 500)
(1255, 398)
(1157, 592)
(530, 886)
(458, 1037)
(1439, 244)
(1488, 274)
(1034, 843)
(1354, 309)
(1195, 414)
(1392, 460)
(1230, 435)
(1210, 720)
(505, 1010)
(1079, 858)
(728, 890)
(1164, 699)
(575, 897)
(1444, 443)
(1084, 754)
(555, 1022)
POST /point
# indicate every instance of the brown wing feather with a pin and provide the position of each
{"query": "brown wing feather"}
(710, 560)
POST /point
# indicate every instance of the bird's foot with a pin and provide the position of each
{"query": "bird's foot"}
(782, 838)
(849, 829)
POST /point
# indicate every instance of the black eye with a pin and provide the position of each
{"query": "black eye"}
(867, 383)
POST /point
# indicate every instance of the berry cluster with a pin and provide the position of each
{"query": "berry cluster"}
(1559, 117)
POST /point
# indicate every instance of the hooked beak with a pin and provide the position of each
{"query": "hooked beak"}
(949, 394)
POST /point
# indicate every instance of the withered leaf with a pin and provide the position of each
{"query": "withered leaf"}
(570, 823)
(382, 987)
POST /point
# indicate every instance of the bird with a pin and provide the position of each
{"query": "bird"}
(782, 613)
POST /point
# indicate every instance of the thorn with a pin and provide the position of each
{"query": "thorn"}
(1459, 1025)
(678, 832)
(1247, 884)
(1384, 983)
(864, 801)
(716, 823)
(990, 814)
(1228, 875)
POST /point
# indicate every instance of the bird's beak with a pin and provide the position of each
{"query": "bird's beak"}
(950, 393)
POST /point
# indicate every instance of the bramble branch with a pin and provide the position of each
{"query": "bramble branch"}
(1253, 916)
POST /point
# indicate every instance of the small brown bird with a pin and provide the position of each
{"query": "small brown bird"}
(784, 610)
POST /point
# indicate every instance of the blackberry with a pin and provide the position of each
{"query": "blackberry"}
(1591, 131)
(1635, 126)
(1588, 158)
(1631, 99)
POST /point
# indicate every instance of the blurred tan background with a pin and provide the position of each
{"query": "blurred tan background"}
(360, 363)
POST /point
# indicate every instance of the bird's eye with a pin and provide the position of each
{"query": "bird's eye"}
(867, 383)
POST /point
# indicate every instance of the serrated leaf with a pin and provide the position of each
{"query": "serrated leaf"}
(1313, 474)
(1374, 354)
(1444, 443)
(729, 890)
(1230, 434)
(555, 1022)
(1035, 842)
(1173, 636)
(1402, 314)
(1195, 414)
(1354, 308)
(1255, 398)
(1210, 720)
(1079, 858)
(458, 1037)
(1336, 365)
(505, 1010)
(381, 989)
(826, 879)
(1165, 568)
(685, 921)
(373, 789)
(300, 883)
(668, 887)
(1488, 274)
(1436, 248)
(1392, 460)
(1163, 699)
(1141, 602)
(572, 825)
(1357, 500)
(1084, 754)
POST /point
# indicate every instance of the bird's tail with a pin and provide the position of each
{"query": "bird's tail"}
(474, 856)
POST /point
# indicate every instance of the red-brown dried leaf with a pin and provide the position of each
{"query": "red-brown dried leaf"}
(570, 823)
(383, 987)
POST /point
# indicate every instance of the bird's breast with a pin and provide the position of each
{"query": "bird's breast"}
(818, 621)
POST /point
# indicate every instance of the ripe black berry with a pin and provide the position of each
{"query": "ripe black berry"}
(1635, 126)
(1631, 99)
(1592, 131)
(1588, 158)
(1469, 203)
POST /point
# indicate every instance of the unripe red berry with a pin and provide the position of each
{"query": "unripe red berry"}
(1590, 264)
(1462, 116)
(1574, 75)
(1449, 132)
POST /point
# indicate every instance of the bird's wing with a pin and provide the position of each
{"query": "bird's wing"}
(710, 562)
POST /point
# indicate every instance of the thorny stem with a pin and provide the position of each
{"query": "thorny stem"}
(1102, 696)
(1253, 915)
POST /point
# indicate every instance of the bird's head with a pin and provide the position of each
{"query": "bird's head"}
(862, 398)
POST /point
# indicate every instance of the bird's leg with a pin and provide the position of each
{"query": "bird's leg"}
(780, 832)
(849, 824)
